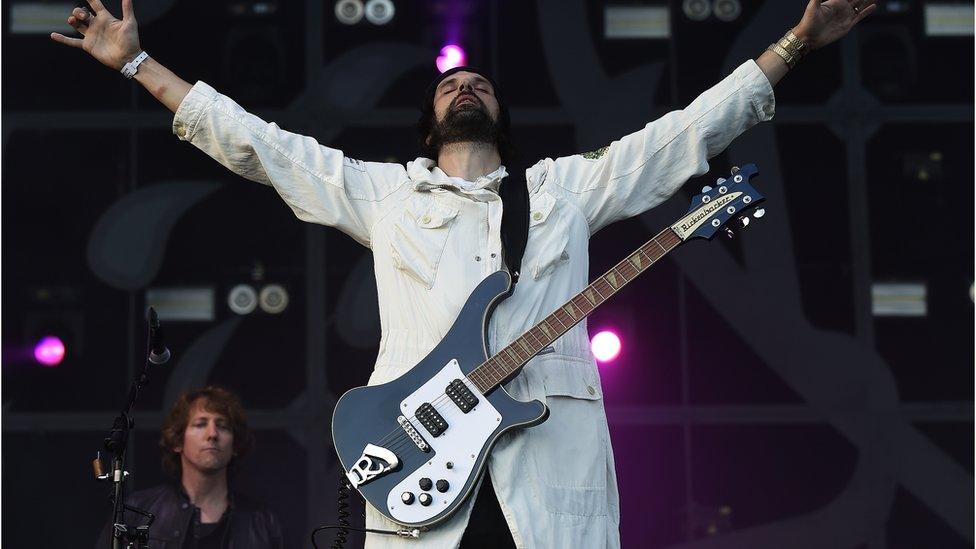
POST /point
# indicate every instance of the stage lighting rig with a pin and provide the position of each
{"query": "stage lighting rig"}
(349, 12)
(380, 12)
(727, 10)
(697, 10)
(273, 299)
(242, 299)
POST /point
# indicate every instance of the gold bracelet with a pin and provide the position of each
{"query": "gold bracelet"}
(790, 48)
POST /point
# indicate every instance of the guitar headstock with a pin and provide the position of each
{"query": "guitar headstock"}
(727, 206)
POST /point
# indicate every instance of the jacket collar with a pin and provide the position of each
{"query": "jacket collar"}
(177, 487)
(425, 175)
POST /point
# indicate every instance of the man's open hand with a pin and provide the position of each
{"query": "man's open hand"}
(827, 22)
(112, 41)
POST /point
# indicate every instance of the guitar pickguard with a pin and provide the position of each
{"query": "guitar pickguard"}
(458, 445)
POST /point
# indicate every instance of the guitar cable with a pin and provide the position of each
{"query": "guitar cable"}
(342, 514)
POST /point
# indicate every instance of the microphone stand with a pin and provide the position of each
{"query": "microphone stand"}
(125, 536)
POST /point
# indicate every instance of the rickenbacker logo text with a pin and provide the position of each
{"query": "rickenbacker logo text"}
(692, 221)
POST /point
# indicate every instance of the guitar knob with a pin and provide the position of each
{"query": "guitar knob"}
(759, 213)
(407, 498)
(426, 484)
(443, 485)
(706, 188)
(425, 499)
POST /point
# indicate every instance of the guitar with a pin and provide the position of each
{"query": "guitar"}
(416, 447)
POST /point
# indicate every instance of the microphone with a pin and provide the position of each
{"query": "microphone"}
(158, 353)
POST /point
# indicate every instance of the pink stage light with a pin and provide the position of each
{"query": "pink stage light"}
(605, 346)
(451, 56)
(49, 351)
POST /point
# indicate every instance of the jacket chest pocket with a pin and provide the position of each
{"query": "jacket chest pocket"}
(419, 238)
(548, 241)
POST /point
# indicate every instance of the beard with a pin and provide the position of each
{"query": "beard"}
(468, 124)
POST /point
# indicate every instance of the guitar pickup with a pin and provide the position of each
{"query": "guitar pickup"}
(461, 395)
(431, 419)
(413, 434)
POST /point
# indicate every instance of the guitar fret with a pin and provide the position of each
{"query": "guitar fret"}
(654, 240)
(597, 289)
(583, 305)
(541, 341)
(555, 316)
(512, 356)
(589, 296)
(536, 338)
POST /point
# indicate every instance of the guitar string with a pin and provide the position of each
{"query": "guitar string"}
(401, 436)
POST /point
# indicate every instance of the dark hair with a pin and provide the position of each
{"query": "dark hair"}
(425, 125)
(215, 399)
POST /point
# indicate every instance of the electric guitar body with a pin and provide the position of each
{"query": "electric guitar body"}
(452, 461)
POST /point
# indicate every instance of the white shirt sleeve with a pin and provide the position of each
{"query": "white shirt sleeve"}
(641, 170)
(320, 184)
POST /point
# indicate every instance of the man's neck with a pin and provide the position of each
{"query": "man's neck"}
(468, 160)
(206, 490)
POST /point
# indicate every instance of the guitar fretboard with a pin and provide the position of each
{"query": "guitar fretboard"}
(507, 361)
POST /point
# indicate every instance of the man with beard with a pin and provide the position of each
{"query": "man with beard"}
(440, 224)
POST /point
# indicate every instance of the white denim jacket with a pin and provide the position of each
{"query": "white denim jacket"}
(432, 243)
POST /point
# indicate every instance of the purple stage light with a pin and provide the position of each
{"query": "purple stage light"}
(605, 346)
(49, 351)
(451, 56)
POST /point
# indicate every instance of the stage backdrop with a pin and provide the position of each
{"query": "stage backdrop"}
(808, 384)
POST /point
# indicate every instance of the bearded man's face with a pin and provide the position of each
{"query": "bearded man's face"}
(465, 110)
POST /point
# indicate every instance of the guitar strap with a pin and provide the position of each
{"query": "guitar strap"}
(514, 193)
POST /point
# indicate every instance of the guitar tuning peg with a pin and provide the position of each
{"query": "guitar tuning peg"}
(759, 213)
(729, 232)
(706, 188)
(735, 170)
(720, 180)
(744, 221)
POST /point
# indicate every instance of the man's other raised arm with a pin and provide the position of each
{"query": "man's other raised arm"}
(115, 42)
(320, 184)
(642, 169)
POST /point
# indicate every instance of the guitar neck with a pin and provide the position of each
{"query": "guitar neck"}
(510, 359)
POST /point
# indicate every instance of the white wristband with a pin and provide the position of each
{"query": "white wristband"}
(132, 67)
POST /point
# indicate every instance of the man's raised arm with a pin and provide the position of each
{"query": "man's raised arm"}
(115, 42)
(319, 183)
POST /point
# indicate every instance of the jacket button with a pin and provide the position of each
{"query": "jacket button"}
(181, 130)
(425, 220)
(493, 256)
(477, 258)
(537, 216)
(590, 389)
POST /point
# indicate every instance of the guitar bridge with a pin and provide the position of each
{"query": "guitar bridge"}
(375, 462)
(413, 434)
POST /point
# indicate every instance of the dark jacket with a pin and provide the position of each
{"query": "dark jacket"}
(251, 525)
